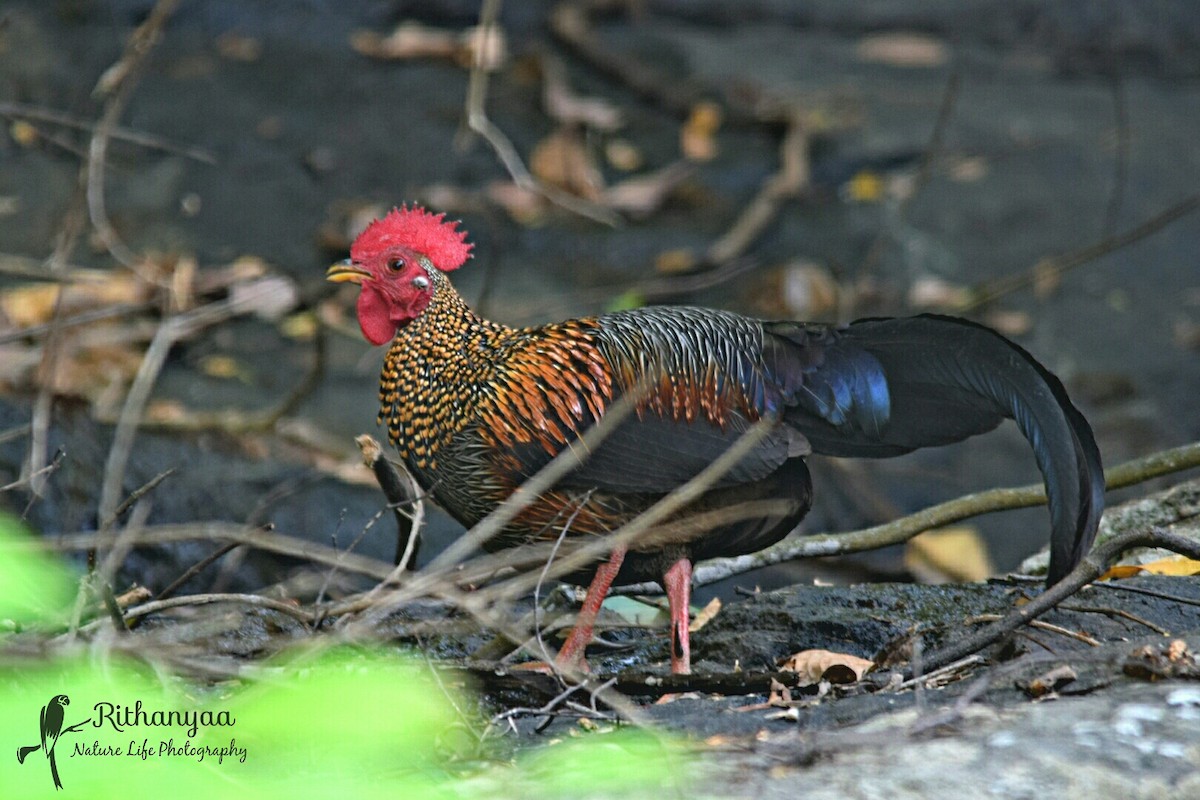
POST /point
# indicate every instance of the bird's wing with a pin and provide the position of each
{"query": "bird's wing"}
(696, 380)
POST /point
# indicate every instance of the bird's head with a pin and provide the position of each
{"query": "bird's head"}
(395, 261)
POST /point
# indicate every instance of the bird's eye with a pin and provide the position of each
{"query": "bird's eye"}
(396, 264)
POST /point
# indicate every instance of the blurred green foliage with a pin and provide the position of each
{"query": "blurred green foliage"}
(320, 722)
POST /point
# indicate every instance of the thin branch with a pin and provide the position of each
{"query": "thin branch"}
(1054, 266)
(479, 123)
(269, 541)
(147, 140)
(1091, 567)
(119, 81)
(903, 529)
(154, 606)
(790, 181)
(196, 569)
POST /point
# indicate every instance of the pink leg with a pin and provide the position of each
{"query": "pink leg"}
(677, 580)
(571, 653)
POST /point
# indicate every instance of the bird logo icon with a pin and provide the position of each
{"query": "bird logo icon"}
(51, 730)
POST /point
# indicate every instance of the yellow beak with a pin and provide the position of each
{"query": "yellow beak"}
(346, 271)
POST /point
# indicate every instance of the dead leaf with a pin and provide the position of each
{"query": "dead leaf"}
(623, 155)
(525, 206)
(808, 290)
(968, 169)
(412, 40)
(697, 138)
(935, 294)
(814, 666)
(1049, 682)
(706, 614)
(563, 160)
(945, 555)
(136, 594)
(643, 195)
(902, 49)
(673, 262)
(1174, 565)
(866, 186)
(1010, 323)
(23, 133)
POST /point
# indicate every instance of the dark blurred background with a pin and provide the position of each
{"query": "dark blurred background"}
(949, 149)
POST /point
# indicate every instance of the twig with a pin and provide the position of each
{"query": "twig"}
(269, 541)
(119, 81)
(790, 181)
(1121, 157)
(479, 123)
(33, 477)
(903, 529)
(1116, 612)
(1090, 568)
(196, 569)
(1041, 625)
(136, 495)
(401, 492)
(25, 111)
(1120, 586)
(933, 149)
(154, 606)
(1058, 265)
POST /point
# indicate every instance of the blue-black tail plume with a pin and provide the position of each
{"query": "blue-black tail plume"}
(896, 385)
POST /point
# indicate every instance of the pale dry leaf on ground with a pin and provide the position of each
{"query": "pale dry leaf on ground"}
(814, 666)
(412, 40)
(698, 136)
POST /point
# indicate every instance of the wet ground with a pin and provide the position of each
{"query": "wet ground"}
(1055, 127)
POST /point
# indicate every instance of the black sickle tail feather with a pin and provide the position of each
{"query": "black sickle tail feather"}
(947, 379)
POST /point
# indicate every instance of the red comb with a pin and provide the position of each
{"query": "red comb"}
(418, 230)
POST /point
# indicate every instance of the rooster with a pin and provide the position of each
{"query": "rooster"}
(476, 408)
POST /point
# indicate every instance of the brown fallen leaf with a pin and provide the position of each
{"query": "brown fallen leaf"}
(1048, 682)
(948, 555)
(412, 40)
(814, 666)
(1174, 565)
(562, 159)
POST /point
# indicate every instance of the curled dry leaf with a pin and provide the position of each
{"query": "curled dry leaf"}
(814, 666)
(412, 40)
(1050, 681)
(524, 206)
